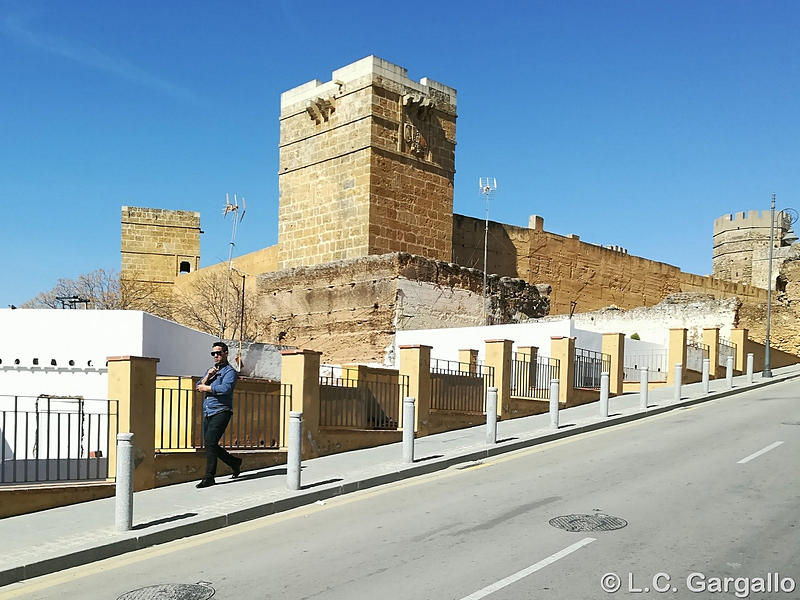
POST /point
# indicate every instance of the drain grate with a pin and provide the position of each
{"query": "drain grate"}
(171, 591)
(593, 522)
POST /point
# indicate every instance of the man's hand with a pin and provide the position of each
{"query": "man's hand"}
(211, 372)
(203, 388)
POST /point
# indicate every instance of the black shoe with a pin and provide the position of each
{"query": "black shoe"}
(237, 469)
(205, 483)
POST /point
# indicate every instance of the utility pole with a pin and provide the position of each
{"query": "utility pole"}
(767, 372)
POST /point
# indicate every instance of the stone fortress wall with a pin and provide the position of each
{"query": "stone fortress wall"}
(589, 275)
(366, 170)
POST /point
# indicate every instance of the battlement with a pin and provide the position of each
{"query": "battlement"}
(744, 220)
(368, 66)
(160, 216)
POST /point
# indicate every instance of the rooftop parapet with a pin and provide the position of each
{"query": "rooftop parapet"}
(370, 65)
(744, 220)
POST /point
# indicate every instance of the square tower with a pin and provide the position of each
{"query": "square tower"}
(367, 162)
(158, 245)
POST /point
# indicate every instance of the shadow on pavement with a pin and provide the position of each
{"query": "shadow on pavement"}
(318, 483)
(164, 520)
(431, 457)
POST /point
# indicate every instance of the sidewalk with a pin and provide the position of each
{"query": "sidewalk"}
(52, 540)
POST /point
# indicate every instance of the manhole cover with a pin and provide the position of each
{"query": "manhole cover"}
(593, 522)
(171, 591)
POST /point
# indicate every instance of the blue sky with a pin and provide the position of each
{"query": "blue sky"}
(634, 123)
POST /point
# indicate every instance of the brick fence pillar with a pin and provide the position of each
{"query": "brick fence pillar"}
(614, 344)
(498, 356)
(300, 369)
(415, 362)
(711, 339)
(563, 350)
(132, 382)
(676, 354)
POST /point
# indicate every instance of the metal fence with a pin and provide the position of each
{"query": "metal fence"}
(695, 354)
(726, 349)
(255, 424)
(531, 378)
(459, 386)
(655, 362)
(365, 402)
(56, 438)
(588, 366)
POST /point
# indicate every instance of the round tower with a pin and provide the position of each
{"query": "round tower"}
(742, 238)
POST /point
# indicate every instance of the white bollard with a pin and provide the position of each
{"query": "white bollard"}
(604, 385)
(643, 389)
(750, 368)
(295, 450)
(409, 419)
(678, 381)
(491, 415)
(706, 375)
(554, 391)
(123, 507)
(729, 371)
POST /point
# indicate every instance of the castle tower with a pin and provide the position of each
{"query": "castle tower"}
(158, 245)
(366, 166)
(741, 246)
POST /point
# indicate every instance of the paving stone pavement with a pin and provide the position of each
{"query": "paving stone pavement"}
(56, 539)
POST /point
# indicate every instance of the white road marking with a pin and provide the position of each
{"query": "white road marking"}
(490, 589)
(759, 453)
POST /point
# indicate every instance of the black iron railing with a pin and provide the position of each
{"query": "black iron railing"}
(460, 386)
(531, 378)
(256, 422)
(56, 438)
(588, 367)
(654, 361)
(726, 349)
(369, 401)
(696, 353)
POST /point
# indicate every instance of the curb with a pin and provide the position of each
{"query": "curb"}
(212, 523)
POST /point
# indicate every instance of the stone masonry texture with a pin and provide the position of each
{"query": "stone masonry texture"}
(350, 309)
(154, 243)
(366, 166)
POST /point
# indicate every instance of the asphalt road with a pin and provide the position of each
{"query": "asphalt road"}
(707, 492)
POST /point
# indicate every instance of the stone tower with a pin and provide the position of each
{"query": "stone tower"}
(366, 166)
(158, 245)
(741, 246)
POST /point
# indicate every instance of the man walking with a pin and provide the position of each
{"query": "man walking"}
(218, 385)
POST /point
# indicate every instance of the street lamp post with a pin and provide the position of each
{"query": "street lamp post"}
(767, 372)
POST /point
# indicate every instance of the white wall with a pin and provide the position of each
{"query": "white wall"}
(80, 341)
(181, 350)
(653, 323)
(447, 342)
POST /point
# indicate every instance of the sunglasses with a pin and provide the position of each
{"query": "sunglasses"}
(217, 353)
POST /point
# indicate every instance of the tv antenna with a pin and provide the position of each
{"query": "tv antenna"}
(487, 187)
(789, 217)
(233, 208)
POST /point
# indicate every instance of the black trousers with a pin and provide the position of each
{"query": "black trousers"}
(213, 429)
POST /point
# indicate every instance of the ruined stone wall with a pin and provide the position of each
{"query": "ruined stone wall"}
(156, 242)
(592, 276)
(366, 166)
(693, 312)
(785, 317)
(349, 310)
